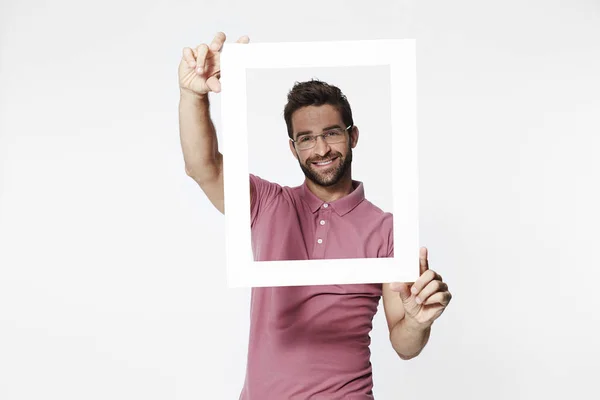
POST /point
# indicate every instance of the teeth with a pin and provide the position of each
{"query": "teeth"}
(325, 162)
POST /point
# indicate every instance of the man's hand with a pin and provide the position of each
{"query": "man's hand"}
(428, 297)
(200, 68)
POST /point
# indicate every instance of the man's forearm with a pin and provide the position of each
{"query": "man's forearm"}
(409, 338)
(197, 135)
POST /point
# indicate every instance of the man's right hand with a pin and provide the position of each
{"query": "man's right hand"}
(200, 68)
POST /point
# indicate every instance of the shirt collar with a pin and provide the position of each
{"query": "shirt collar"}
(341, 206)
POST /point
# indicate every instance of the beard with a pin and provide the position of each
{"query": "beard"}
(330, 176)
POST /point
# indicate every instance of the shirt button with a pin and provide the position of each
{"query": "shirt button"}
(325, 205)
(322, 222)
(320, 241)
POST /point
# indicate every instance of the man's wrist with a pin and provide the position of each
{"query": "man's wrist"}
(412, 325)
(188, 95)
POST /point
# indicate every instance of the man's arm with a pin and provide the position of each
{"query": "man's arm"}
(203, 161)
(199, 74)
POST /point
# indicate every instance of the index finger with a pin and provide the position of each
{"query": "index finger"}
(201, 53)
(218, 41)
(423, 262)
(424, 280)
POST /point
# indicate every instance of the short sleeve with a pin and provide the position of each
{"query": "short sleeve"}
(262, 193)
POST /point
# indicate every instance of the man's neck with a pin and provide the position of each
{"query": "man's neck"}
(331, 193)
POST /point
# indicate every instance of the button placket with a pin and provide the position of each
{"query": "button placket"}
(321, 231)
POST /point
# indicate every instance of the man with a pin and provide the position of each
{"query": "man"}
(309, 342)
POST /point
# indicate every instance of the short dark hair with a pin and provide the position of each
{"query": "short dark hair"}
(315, 93)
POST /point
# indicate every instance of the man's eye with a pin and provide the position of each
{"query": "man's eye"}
(332, 133)
(305, 139)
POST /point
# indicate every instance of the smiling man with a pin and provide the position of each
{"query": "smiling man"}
(326, 166)
(309, 342)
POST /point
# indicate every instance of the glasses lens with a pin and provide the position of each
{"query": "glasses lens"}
(306, 145)
(335, 136)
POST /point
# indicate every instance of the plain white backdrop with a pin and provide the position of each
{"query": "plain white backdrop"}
(112, 278)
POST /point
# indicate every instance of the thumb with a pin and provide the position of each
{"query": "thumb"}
(403, 290)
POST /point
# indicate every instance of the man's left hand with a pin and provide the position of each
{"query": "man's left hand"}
(425, 299)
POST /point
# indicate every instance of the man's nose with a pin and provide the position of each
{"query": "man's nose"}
(321, 147)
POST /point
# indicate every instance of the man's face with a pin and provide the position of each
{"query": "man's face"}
(324, 164)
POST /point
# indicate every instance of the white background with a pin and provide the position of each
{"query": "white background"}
(112, 280)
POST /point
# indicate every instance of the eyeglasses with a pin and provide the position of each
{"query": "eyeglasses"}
(331, 136)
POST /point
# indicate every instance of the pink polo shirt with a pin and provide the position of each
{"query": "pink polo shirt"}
(312, 342)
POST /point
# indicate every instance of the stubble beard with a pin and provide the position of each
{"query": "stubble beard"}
(329, 177)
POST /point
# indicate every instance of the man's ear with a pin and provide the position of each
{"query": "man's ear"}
(293, 148)
(354, 136)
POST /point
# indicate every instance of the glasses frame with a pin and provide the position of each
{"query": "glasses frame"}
(346, 129)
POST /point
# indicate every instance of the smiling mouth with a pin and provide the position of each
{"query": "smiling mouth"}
(324, 163)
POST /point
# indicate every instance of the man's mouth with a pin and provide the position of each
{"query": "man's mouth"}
(324, 162)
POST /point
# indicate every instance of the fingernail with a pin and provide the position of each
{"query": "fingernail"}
(418, 300)
(199, 70)
(413, 290)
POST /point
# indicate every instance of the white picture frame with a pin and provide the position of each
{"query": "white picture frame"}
(399, 55)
